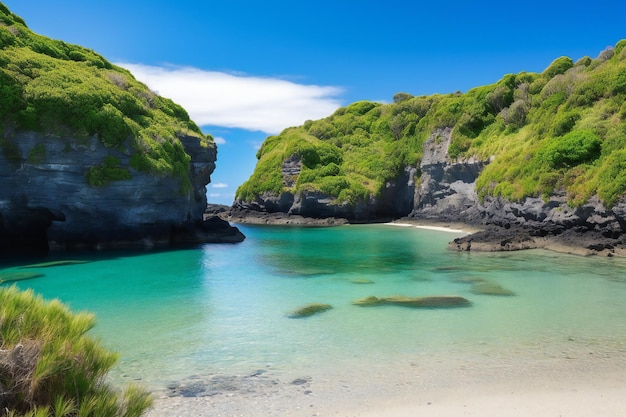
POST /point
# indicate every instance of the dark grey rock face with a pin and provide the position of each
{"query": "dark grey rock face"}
(396, 199)
(447, 189)
(442, 189)
(447, 192)
(50, 196)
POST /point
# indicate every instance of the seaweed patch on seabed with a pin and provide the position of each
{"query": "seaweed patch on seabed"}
(257, 383)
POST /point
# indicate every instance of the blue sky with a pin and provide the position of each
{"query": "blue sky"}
(247, 69)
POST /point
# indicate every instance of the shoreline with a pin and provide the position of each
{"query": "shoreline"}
(574, 378)
(478, 237)
(497, 239)
(574, 385)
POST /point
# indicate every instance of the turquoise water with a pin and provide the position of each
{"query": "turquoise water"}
(224, 308)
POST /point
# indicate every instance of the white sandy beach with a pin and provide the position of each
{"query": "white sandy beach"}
(572, 384)
(427, 227)
(437, 226)
(441, 229)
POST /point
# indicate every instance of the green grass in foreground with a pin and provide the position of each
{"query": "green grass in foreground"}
(49, 367)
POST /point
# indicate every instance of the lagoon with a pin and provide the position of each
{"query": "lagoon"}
(224, 310)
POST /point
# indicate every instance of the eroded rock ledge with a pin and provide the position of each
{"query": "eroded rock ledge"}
(446, 194)
(249, 216)
(47, 204)
(574, 241)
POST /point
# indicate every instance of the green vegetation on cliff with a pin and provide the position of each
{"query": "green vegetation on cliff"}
(52, 87)
(562, 129)
(50, 367)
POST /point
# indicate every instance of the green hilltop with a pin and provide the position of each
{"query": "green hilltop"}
(54, 88)
(561, 129)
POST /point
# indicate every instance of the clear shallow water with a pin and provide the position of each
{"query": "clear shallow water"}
(224, 308)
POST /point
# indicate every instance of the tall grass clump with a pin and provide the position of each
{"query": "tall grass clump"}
(49, 367)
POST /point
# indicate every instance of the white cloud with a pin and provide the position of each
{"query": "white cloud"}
(219, 140)
(219, 195)
(219, 185)
(239, 101)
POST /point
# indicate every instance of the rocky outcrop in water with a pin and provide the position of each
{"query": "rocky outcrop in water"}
(46, 202)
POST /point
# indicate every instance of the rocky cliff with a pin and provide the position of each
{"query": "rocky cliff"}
(92, 158)
(396, 200)
(47, 201)
(542, 151)
(447, 192)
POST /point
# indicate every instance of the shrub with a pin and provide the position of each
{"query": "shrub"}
(498, 99)
(308, 154)
(611, 180)
(606, 54)
(620, 83)
(558, 66)
(110, 170)
(38, 154)
(620, 46)
(574, 148)
(584, 61)
(110, 123)
(330, 170)
(564, 122)
(515, 115)
(458, 145)
(361, 107)
(50, 367)
(333, 185)
(400, 97)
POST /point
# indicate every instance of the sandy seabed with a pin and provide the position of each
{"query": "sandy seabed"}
(573, 383)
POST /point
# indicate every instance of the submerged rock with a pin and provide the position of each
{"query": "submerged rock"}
(256, 384)
(448, 268)
(309, 310)
(441, 301)
(362, 281)
(482, 286)
(55, 263)
(18, 276)
(469, 279)
(490, 288)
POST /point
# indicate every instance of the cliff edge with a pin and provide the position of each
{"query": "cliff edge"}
(447, 193)
(91, 158)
